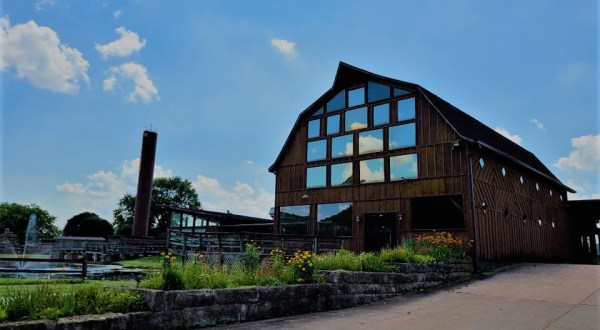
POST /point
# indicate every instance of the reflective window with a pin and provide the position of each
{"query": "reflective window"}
(406, 109)
(341, 174)
(334, 219)
(404, 167)
(337, 102)
(342, 146)
(175, 219)
(381, 114)
(319, 112)
(402, 136)
(316, 177)
(316, 150)
(377, 91)
(371, 170)
(370, 141)
(356, 119)
(294, 219)
(333, 124)
(356, 97)
(400, 92)
(187, 220)
(314, 128)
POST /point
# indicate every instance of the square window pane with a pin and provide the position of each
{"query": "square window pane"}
(371, 170)
(381, 114)
(377, 91)
(406, 109)
(334, 219)
(404, 167)
(316, 177)
(356, 119)
(342, 146)
(314, 128)
(294, 219)
(316, 150)
(356, 97)
(341, 174)
(175, 219)
(333, 124)
(337, 102)
(370, 141)
(402, 136)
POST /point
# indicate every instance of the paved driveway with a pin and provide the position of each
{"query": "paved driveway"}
(533, 296)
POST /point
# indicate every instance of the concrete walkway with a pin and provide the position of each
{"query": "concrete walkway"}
(532, 296)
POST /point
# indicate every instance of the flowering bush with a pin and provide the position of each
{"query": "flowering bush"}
(302, 264)
(443, 246)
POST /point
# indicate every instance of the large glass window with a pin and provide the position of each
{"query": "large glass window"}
(402, 136)
(333, 124)
(381, 114)
(314, 128)
(370, 141)
(342, 146)
(377, 91)
(293, 220)
(404, 167)
(187, 220)
(316, 150)
(371, 170)
(341, 174)
(175, 219)
(356, 97)
(316, 177)
(337, 102)
(356, 119)
(406, 109)
(334, 219)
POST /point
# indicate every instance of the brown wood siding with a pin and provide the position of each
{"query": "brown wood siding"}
(509, 227)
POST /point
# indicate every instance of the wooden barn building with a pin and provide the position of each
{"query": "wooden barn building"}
(376, 160)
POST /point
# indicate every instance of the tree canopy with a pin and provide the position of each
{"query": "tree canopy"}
(16, 217)
(173, 191)
(87, 224)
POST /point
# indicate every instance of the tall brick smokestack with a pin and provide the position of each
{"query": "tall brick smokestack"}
(143, 198)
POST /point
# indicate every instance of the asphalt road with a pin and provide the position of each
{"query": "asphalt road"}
(532, 296)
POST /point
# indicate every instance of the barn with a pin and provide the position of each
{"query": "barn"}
(375, 161)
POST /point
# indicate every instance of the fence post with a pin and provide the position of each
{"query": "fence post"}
(83, 269)
(184, 246)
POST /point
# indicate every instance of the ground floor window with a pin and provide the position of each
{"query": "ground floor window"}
(441, 212)
(334, 219)
(293, 220)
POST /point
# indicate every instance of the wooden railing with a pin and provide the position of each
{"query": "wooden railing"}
(82, 272)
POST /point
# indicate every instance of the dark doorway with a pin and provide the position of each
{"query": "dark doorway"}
(380, 231)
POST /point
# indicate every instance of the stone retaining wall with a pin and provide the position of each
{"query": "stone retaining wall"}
(203, 308)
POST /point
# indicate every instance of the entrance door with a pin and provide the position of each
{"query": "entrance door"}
(380, 231)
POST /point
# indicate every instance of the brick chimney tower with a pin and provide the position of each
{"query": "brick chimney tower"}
(143, 198)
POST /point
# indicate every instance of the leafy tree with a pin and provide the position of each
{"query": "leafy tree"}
(88, 224)
(173, 191)
(16, 217)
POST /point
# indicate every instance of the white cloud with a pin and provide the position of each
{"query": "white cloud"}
(368, 143)
(575, 72)
(585, 155)
(514, 138)
(135, 77)
(117, 14)
(370, 174)
(40, 4)
(286, 47)
(127, 44)
(40, 58)
(242, 199)
(538, 124)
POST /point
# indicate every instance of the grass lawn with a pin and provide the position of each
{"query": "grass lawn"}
(153, 262)
(13, 284)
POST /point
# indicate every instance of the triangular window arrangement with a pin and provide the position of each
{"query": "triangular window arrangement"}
(338, 102)
(319, 112)
(400, 92)
(376, 91)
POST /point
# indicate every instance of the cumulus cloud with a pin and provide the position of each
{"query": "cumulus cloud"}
(38, 56)
(241, 199)
(285, 47)
(369, 143)
(538, 124)
(514, 138)
(134, 77)
(585, 155)
(372, 173)
(127, 44)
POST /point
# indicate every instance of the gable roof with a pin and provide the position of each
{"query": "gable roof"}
(467, 127)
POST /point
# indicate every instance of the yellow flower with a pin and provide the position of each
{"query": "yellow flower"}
(303, 269)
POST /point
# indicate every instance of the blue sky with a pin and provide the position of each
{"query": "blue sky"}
(223, 83)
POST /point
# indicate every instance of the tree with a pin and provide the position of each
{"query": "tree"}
(16, 217)
(89, 225)
(173, 191)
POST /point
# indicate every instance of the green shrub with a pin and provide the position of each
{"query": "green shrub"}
(342, 260)
(397, 254)
(422, 259)
(251, 256)
(371, 262)
(172, 279)
(444, 247)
